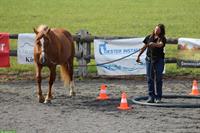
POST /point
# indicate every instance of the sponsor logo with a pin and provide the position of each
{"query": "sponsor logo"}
(104, 50)
(29, 59)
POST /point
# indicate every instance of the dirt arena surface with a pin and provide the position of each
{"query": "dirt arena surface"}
(20, 110)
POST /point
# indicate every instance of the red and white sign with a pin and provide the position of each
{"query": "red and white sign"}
(4, 50)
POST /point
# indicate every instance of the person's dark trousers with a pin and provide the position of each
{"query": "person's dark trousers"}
(155, 71)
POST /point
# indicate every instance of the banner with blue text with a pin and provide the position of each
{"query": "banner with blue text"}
(110, 50)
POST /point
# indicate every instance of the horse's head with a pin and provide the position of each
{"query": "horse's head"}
(42, 40)
(42, 35)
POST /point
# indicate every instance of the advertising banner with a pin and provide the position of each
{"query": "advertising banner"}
(4, 50)
(25, 48)
(110, 50)
(188, 52)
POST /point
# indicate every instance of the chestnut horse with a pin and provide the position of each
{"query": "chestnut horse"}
(53, 47)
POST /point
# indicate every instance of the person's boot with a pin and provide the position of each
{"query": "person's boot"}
(158, 101)
(150, 100)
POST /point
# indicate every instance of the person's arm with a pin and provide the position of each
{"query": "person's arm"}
(156, 45)
(159, 44)
(141, 52)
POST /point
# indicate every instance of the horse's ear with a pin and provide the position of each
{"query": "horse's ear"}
(47, 31)
(36, 32)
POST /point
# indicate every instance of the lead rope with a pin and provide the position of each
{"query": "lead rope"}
(109, 62)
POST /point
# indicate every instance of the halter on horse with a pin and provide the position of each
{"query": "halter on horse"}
(53, 47)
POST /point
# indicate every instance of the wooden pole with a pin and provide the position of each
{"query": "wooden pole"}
(83, 50)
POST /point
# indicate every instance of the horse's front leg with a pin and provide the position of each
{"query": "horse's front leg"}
(52, 78)
(39, 80)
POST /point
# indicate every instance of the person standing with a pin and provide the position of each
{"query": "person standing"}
(154, 43)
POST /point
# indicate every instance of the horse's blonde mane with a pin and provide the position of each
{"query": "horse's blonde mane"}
(42, 28)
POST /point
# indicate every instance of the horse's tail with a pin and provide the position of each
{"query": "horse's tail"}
(65, 74)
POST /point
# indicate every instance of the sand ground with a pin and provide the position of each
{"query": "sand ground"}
(20, 110)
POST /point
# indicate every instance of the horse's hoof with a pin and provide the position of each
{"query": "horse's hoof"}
(51, 97)
(41, 99)
(47, 101)
(72, 94)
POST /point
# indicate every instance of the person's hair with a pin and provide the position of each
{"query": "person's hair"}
(162, 30)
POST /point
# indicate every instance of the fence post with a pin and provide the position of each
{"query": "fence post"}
(83, 51)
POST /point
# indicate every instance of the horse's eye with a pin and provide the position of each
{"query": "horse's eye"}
(38, 43)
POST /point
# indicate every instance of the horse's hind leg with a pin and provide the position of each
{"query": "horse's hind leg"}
(51, 81)
(71, 84)
(72, 90)
(39, 80)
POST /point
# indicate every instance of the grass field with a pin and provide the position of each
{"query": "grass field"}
(103, 17)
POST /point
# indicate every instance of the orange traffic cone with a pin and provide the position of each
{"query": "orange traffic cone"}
(103, 95)
(123, 104)
(195, 91)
